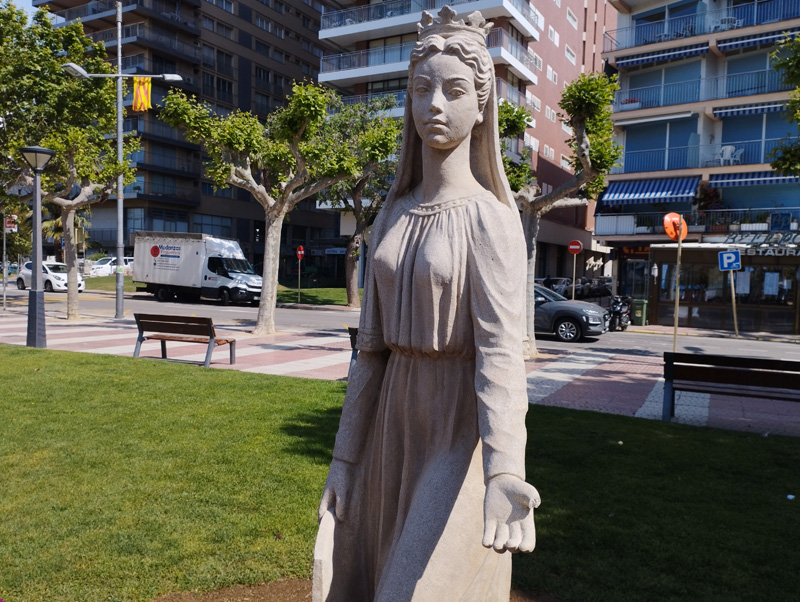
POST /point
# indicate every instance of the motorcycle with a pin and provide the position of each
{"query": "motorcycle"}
(620, 313)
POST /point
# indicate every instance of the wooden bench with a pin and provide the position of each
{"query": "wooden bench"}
(184, 329)
(726, 375)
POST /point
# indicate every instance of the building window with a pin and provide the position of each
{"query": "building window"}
(573, 20)
(534, 101)
(570, 54)
(279, 31)
(208, 84)
(552, 75)
(532, 142)
(566, 163)
(263, 23)
(170, 221)
(208, 23)
(262, 48)
(566, 127)
(224, 31)
(550, 114)
(278, 55)
(537, 61)
(216, 225)
(209, 55)
(224, 90)
(552, 35)
(317, 52)
(279, 7)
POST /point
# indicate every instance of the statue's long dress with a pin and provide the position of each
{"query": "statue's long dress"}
(436, 403)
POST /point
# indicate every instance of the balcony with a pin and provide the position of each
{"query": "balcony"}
(138, 64)
(399, 101)
(167, 193)
(512, 95)
(105, 12)
(140, 33)
(748, 152)
(735, 17)
(697, 90)
(165, 162)
(400, 16)
(714, 222)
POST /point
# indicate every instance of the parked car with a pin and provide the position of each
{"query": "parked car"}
(54, 276)
(107, 266)
(559, 284)
(582, 287)
(569, 320)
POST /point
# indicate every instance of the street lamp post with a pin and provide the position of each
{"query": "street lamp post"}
(80, 72)
(37, 157)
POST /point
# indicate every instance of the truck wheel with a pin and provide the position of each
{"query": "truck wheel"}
(225, 297)
(163, 294)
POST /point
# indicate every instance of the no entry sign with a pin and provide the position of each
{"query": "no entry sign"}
(300, 252)
(575, 247)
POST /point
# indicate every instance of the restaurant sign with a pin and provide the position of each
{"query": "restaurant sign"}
(764, 238)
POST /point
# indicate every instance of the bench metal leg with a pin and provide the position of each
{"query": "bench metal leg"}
(668, 409)
(211, 346)
(233, 352)
(138, 347)
(163, 349)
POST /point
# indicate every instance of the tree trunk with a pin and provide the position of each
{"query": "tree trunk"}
(530, 226)
(351, 269)
(265, 321)
(71, 259)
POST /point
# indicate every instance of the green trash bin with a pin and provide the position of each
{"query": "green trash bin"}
(639, 312)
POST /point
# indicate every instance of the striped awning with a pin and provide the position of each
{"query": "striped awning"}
(659, 190)
(755, 40)
(753, 178)
(662, 55)
(752, 109)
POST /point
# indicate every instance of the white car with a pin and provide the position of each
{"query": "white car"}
(107, 266)
(54, 277)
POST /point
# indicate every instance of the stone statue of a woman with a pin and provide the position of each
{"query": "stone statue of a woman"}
(427, 482)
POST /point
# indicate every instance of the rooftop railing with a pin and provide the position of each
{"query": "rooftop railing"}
(385, 10)
(743, 152)
(687, 26)
(714, 88)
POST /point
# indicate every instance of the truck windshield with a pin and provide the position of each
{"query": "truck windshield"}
(240, 266)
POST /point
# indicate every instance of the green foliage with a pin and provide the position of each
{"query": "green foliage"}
(512, 120)
(587, 100)
(786, 61)
(519, 174)
(97, 256)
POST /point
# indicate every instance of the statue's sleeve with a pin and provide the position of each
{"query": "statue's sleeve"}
(497, 274)
(365, 380)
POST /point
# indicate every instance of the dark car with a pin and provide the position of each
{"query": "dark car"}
(568, 320)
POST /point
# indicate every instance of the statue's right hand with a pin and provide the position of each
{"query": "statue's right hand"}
(337, 489)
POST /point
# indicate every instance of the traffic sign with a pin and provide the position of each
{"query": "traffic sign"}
(575, 247)
(674, 223)
(730, 260)
(11, 223)
(300, 252)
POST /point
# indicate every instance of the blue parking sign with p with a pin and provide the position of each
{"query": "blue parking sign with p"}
(730, 260)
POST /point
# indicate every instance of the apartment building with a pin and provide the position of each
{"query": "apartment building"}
(699, 111)
(232, 54)
(537, 49)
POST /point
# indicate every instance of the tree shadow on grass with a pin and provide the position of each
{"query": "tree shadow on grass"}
(313, 432)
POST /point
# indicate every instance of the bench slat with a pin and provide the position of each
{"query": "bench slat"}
(771, 379)
(185, 329)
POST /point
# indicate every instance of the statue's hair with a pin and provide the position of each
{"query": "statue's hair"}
(470, 51)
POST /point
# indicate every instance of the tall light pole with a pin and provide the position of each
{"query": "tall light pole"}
(80, 72)
(37, 157)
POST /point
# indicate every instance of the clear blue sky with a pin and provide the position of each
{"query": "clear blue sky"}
(27, 5)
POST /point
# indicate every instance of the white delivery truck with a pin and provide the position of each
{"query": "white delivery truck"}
(193, 266)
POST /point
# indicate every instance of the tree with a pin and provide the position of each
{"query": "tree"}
(586, 103)
(294, 155)
(786, 61)
(512, 123)
(371, 185)
(44, 105)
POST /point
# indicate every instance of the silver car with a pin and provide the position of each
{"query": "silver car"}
(568, 320)
(54, 277)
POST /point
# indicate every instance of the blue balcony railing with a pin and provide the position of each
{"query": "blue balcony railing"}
(729, 86)
(399, 98)
(385, 10)
(715, 221)
(687, 26)
(745, 152)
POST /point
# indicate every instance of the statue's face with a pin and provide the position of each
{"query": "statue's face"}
(445, 103)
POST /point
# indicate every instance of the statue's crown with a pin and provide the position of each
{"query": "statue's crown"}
(446, 26)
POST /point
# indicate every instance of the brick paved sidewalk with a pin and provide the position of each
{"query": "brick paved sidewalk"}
(625, 384)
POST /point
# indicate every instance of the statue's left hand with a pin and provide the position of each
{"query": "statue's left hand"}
(508, 514)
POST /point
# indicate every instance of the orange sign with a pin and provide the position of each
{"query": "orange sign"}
(141, 93)
(674, 223)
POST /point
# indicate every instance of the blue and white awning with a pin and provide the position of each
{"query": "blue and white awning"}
(662, 55)
(752, 109)
(756, 40)
(754, 178)
(659, 190)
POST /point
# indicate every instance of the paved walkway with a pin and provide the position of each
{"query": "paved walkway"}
(625, 384)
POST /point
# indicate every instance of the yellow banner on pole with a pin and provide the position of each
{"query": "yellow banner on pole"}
(141, 93)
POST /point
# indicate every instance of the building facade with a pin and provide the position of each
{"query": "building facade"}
(537, 49)
(699, 111)
(232, 54)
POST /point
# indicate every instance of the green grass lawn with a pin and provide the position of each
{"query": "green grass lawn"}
(122, 479)
(109, 283)
(314, 296)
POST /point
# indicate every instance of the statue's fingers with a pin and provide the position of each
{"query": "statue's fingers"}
(489, 529)
(514, 537)
(528, 537)
(501, 537)
(535, 499)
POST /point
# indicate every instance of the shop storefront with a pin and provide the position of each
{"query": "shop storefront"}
(766, 288)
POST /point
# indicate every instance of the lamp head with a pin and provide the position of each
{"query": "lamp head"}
(37, 157)
(75, 70)
(171, 77)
